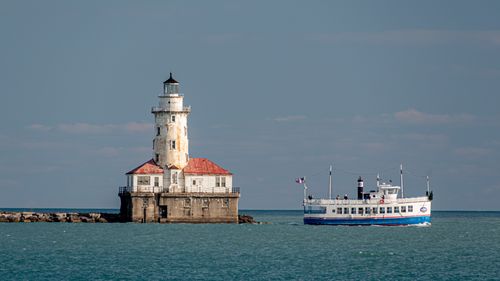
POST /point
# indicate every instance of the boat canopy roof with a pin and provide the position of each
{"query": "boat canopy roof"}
(388, 186)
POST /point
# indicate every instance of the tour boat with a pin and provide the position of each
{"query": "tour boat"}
(382, 206)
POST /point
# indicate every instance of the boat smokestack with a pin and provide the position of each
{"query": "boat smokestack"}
(360, 188)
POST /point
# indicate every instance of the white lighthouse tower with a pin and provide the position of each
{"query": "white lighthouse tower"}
(170, 144)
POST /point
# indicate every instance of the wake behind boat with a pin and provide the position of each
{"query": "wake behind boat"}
(376, 207)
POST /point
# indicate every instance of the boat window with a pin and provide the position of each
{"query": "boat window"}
(410, 208)
(353, 210)
(382, 210)
(360, 211)
(339, 211)
(374, 210)
(367, 210)
(389, 210)
(396, 209)
(333, 211)
(403, 209)
(346, 210)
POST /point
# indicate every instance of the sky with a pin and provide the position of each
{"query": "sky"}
(278, 89)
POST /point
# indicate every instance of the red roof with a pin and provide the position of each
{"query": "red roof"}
(150, 167)
(203, 166)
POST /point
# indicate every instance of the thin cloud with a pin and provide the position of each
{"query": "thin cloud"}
(410, 37)
(39, 127)
(473, 152)
(87, 128)
(289, 118)
(418, 117)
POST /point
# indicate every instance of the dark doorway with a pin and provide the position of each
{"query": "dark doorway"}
(164, 212)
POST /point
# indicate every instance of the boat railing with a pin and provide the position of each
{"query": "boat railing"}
(364, 201)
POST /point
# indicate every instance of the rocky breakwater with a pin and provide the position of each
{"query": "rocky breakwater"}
(58, 217)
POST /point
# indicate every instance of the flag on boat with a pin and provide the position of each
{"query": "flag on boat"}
(300, 180)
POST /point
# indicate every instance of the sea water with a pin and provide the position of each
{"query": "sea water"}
(457, 246)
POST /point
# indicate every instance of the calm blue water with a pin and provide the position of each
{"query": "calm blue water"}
(458, 246)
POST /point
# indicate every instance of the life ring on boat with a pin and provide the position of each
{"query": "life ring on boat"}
(381, 201)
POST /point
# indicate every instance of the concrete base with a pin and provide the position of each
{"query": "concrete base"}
(179, 207)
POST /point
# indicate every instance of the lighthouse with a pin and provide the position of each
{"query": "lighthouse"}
(172, 186)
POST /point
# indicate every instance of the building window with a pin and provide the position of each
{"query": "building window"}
(157, 131)
(194, 182)
(157, 157)
(172, 144)
(173, 118)
(410, 208)
(174, 178)
(157, 181)
(142, 180)
(220, 181)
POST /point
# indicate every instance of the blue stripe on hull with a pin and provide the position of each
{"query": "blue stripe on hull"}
(371, 221)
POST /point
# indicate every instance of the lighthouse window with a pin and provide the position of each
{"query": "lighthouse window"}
(157, 131)
(382, 210)
(172, 144)
(173, 118)
(389, 210)
(142, 180)
(174, 178)
(157, 157)
(410, 208)
(403, 209)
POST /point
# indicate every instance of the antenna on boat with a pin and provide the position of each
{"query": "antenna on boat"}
(401, 180)
(305, 189)
(330, 184)
(378, 181)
